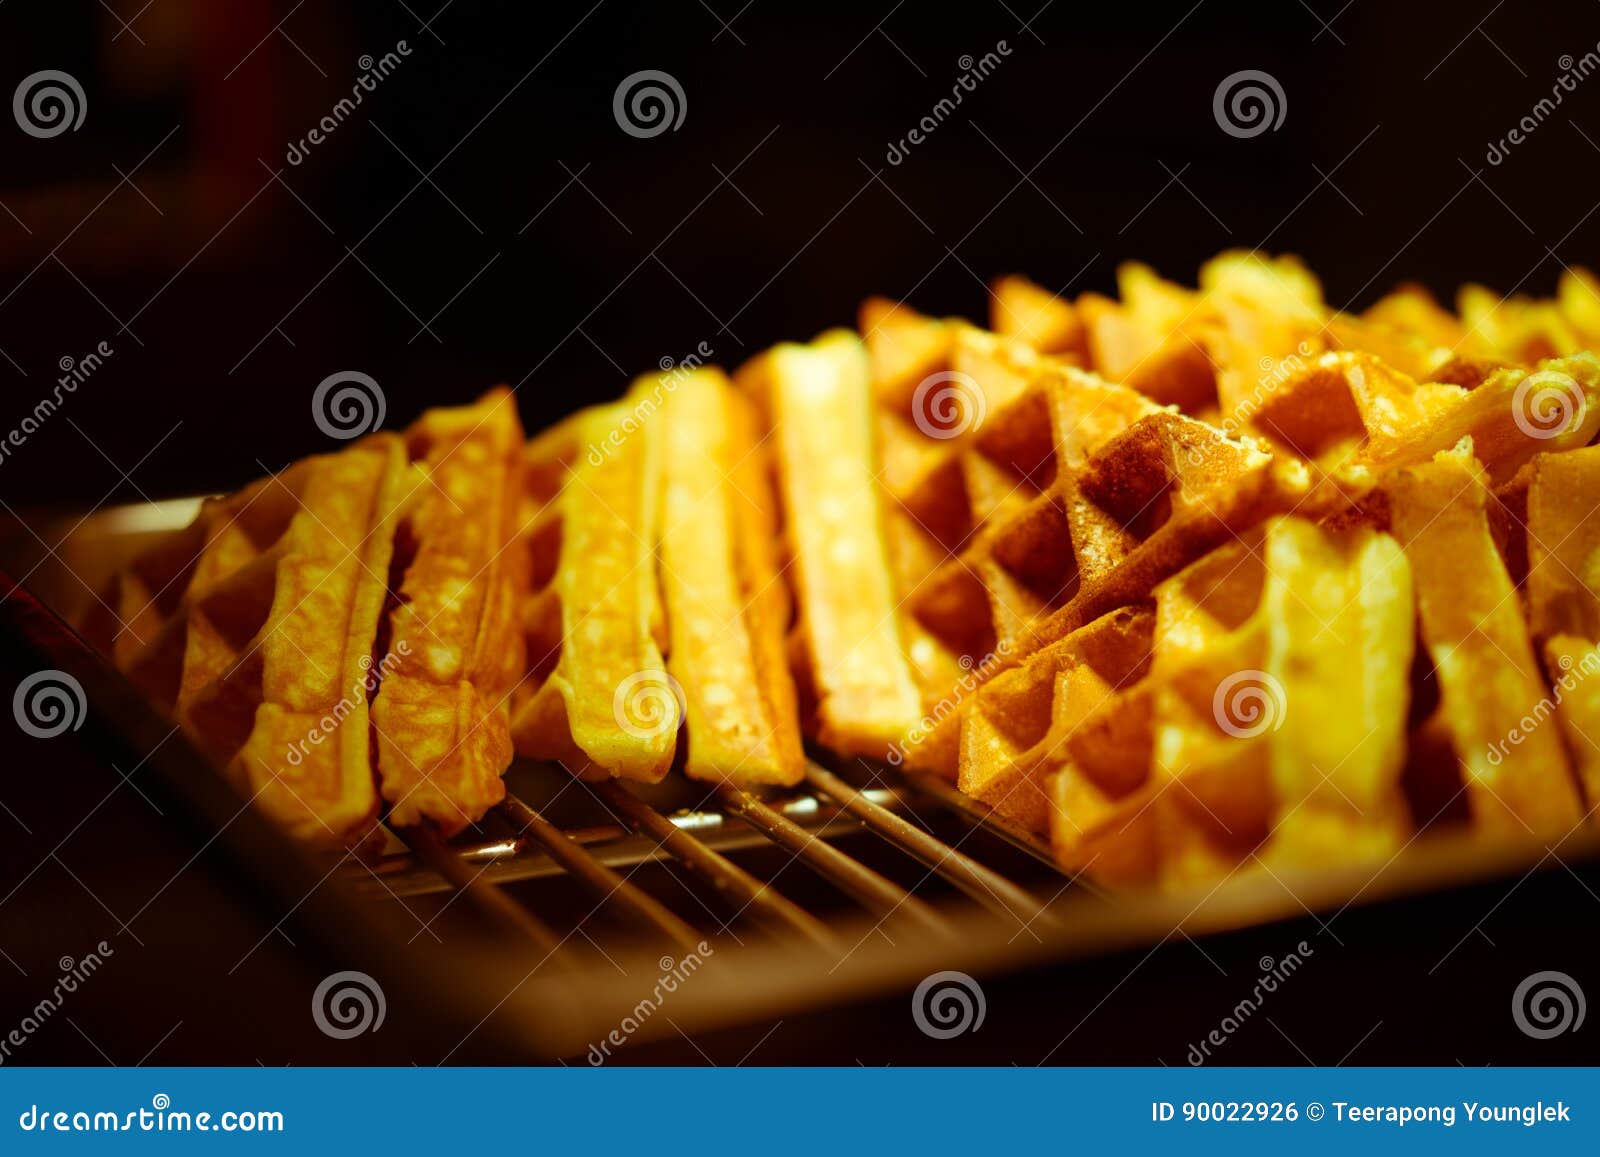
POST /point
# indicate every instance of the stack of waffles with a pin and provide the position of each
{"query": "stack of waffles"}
(1267, 583)
(1189, 581)
(338, 637)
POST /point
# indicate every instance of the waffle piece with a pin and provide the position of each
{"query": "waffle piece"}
(1563, 589)
(969, 453)
(255, 628)
(1339, 611)
(1260, 311)
(727, 608)
(1517, 779)
(1055, 498)
(904, 349)
(1116, 519)
(452, 653)
(1032, 314)
(1069, 701)
(1518, 328)
(1353, 409)
(1578, 294)
(1151, 340)
(597, 695)
(1411, 313)
(819, 402)
(1268, 714)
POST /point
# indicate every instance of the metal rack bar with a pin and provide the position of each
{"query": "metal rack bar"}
(879, 895)
(603, 882)
(737, 886)
(982, 884)
(495, 904)
(981, 815)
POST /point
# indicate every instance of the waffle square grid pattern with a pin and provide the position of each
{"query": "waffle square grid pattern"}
(1189, 581)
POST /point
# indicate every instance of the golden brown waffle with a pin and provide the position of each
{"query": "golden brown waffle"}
(727, 608)
(651, 534)
(1563, 590)
(1266, 696)
(1022, 498)
(1354, 410)
(1516, 778)
(1038, 318)
(452, 652)
(1148, 574)
(1364, 403)
(854, 657)
(597, 695)
(255, 628)
(358, 595)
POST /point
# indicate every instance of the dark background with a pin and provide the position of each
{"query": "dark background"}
(486, 190)
(241, 292)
